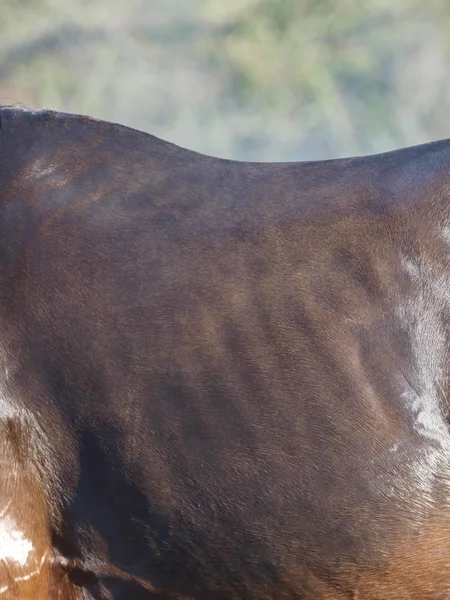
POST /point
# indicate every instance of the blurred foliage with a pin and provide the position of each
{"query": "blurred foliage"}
(248, 79)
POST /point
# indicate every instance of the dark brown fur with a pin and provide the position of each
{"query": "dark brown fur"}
(222, 380)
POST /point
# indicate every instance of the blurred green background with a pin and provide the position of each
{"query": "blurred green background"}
(245, 79)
